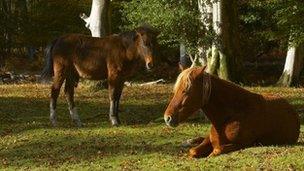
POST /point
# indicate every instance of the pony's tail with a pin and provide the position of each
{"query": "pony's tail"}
(47, 72)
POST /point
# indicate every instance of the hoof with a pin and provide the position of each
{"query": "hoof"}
(53, 117)
(53, 122)
(115, 122)
(78, 123)
(193, 153)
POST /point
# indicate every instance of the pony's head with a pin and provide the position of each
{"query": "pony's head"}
(191, 92)
(140, 44)
(146, 42)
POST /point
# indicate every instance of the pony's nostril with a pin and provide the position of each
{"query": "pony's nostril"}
(168, 119)
(149, 65)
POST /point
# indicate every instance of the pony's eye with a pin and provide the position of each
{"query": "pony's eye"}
(185, 91)
(184, 101)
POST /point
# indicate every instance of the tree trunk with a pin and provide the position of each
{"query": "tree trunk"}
(224, 59)
(293, 66)
(7, 11)
(98, 21)
(205, 9)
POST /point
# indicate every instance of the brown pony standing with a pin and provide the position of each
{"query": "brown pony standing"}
(113, 58)
(239, 118)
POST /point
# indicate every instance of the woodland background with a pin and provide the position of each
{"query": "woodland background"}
(265, 28)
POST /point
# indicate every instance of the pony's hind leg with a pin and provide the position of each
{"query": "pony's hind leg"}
(55, 90)
(69, 93)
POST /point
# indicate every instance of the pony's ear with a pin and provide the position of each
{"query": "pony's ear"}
(202, 69)
(138, 38)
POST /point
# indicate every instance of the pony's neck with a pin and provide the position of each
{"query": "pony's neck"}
(132, 54)
(224, 100)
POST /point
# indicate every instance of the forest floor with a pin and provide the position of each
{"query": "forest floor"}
(143, 142)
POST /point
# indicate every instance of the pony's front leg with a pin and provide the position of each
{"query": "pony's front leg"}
(202, 150)
(113, 114)
(55, 90)
(115, 91)
(225, 148)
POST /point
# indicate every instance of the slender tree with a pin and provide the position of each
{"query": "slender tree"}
(205, 18)
(7, 13)
(289, 18)
(98, 22)
(293, 66)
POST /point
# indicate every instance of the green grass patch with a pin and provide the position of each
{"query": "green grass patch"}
(143, 142)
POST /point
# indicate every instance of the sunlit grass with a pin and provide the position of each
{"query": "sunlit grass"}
(143, 142)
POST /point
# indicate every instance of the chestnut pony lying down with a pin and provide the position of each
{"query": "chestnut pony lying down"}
(239, 118)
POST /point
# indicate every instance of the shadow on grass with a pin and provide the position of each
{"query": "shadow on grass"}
(301, 143)
(55, 149)
(18, 114)
(300, 110)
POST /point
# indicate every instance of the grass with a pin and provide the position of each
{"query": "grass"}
(28, 142)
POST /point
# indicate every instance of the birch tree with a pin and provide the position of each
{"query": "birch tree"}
(293, 66)
(98, 22)
(205, 10)
(290, 20)
(224, 60)
(222, 56)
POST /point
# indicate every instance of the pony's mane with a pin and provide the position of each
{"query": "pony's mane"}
(147, 29)
(183, 80)
(130, 35)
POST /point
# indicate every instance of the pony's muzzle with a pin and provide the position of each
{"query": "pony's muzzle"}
(167, 119)
(170, 121)
(149, 65)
